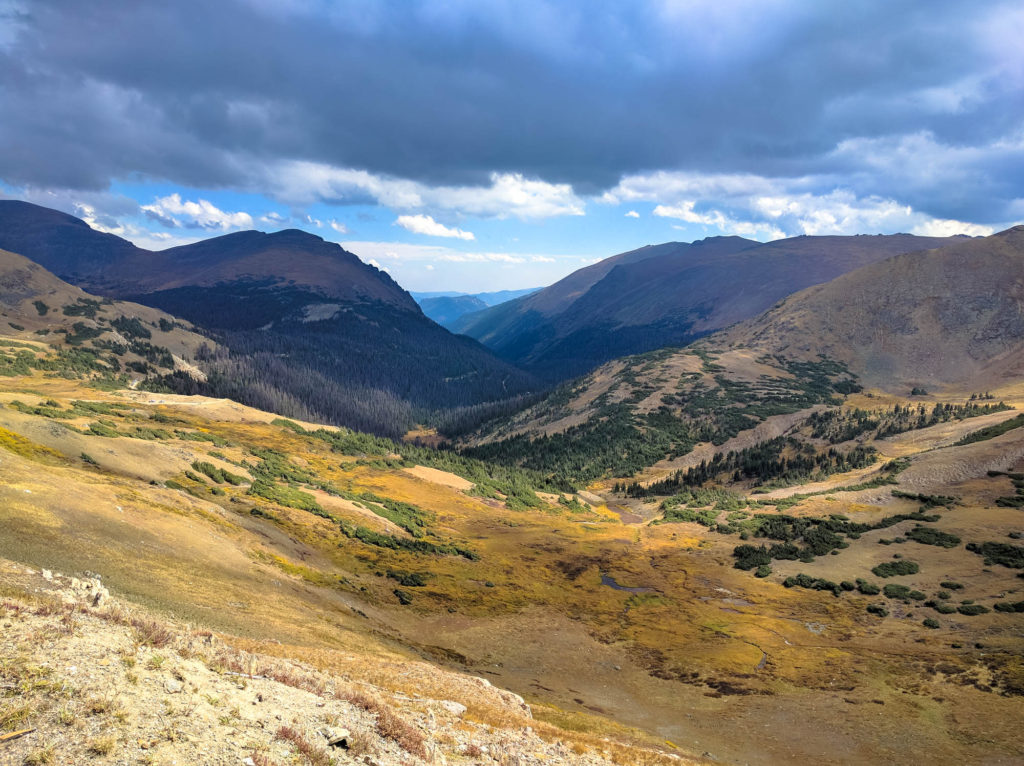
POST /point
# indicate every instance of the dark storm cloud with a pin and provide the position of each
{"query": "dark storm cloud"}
(214, 94)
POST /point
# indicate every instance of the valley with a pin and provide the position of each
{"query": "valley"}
(604, 609)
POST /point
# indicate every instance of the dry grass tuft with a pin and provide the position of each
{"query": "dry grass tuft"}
(101, 745)
(315, 755)
(152, 633)
(389, 725)
(43, 756)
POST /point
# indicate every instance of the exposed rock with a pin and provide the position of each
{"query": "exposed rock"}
(455, 708)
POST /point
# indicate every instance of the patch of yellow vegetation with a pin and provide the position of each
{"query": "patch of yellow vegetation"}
(19, 445)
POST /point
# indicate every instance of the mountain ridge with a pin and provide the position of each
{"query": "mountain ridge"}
(668, 294)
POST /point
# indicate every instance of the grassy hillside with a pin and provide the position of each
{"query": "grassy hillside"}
(378, 562)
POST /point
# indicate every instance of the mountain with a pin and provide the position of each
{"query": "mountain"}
(667, 294)
(951, 316)
(488, 299)
(305, 327)
(948, 319)
(446, 309)
(116, 342)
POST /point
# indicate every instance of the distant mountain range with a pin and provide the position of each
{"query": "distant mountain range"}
(307, 328)
(446, 308)
(668, 294)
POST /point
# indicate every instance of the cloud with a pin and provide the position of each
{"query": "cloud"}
(172, 212)
(424, 224)
(502, 109)
(632, 214)
(273, 219)
(339, 227)
(508, 195)
(403, 252)
(770, 208)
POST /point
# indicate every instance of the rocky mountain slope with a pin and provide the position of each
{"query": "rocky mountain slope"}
(667, 294)
(275, 302)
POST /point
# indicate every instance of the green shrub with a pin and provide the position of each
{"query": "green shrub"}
(409, 579)
(971, 610)
(950, 585)
(878, 609)
(868, 588)
(930, 536)
(930, 622)
(404, 597)
(999, 553)
(763, 571)
(895, 569)
(896, 591)
(1005, 606)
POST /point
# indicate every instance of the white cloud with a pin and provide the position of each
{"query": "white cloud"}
(273, 219)
(140, 237)
(425, 224)
(313, 221)
(171, 211)
(403, 252)
(429, 267)
(508, 195)
(942, 227)
(684, 211)
(770, 208)
(339, 227)
(632, 214)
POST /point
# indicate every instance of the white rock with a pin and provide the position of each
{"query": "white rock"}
(47, 574)
(172, 686)
(455, 708)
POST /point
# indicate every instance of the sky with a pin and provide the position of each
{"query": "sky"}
(472, 146)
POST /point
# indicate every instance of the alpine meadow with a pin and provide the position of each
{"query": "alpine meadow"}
(516, 383)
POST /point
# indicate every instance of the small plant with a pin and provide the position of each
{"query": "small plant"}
(40, 757)
(763, 571)
(155, 662)
(315, 755)
(101, 745)
(878, 609)
(930, 622)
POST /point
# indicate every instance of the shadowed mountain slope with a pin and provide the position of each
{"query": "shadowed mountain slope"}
(667, 294)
